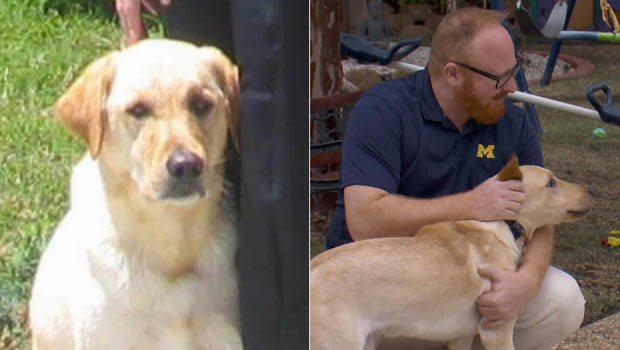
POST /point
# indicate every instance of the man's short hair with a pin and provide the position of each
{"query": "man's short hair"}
(454, 36)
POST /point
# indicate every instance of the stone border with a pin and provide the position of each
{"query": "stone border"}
(581, 66)
(600, 335)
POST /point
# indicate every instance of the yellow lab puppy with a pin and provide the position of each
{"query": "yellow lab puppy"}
(144, 259)
(426, 286)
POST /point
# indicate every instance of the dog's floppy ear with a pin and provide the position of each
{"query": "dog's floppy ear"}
(232, 78)
(511, 170)
(228, 77)
(82, 107)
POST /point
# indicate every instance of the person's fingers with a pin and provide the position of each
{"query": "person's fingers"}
(486, 300)
(491, 272)
(492, 324)
(489, 313)
(510, 215)
(153, 6)
(515, 185)
(517, 196)
(513, 206)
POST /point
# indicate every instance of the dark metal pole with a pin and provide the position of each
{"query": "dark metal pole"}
(269, 41)
(202, 22)
(271, 47)
(555, 49)
(530, 109)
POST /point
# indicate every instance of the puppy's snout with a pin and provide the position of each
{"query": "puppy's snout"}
(184, 165)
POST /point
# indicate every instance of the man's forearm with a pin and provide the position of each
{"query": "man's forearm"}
(388, 215)
(537, 255)
(372, 212)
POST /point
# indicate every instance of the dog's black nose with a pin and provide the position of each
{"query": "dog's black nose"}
(184, 165)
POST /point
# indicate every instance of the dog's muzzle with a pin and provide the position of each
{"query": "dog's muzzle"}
(185, 169)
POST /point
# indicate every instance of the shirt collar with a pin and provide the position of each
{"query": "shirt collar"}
(430, 108)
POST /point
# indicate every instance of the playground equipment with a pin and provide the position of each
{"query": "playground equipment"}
(553, 30)
(528, 27)
(356, 46)
(606, 111)
(556, 20)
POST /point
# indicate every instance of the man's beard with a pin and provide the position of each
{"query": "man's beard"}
(483, 113)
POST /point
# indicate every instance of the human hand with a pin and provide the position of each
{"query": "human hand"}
(130, 17)
(154, 6)
(496, 200)
(508, 297)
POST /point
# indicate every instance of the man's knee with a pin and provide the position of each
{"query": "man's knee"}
(554, 313)
(566, 299)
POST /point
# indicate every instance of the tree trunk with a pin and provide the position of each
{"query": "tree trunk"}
(325, 67)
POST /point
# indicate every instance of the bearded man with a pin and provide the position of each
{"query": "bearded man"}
(426, 148)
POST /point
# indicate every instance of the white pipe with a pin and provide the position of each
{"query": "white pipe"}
(519, 96)
(547, 102)
(410, 68)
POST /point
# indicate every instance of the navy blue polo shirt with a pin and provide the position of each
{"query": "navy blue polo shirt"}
(397, 139)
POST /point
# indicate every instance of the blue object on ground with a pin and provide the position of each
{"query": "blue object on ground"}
(599, 133)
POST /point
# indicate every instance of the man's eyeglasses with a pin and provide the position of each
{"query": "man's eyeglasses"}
(499, 81)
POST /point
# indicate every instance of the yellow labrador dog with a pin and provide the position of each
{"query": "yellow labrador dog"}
(426, 286)
(144, 259)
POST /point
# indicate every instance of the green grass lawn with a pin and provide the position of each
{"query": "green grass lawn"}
(43, 46)
(574, 154)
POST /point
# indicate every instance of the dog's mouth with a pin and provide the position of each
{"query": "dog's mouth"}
(578, 213)
(184, 190)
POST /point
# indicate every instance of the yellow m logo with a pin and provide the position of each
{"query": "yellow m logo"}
(486, 151)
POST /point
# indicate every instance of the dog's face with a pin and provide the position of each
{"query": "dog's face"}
(549, 200)
(159, 113)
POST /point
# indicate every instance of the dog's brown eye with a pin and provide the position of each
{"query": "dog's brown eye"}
(200, 106)
(551, 183)
(139, 111)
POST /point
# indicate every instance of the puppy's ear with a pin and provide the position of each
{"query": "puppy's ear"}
(511, 170)
(82, 107)
(232, 78)
(228, 77)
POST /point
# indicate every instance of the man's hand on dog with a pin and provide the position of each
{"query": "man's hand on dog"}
(496, 200)
(509, 294)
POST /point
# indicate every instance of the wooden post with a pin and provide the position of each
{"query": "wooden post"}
(325, 68)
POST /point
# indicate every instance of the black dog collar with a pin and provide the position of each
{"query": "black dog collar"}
(516, 229)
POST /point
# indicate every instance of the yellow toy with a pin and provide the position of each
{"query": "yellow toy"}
(611, 240)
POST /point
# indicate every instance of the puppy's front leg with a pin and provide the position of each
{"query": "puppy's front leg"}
(498, 339)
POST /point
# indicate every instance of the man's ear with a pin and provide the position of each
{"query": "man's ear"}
(228, 77)
(451, 73)
(82, 107)
(511, 170)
